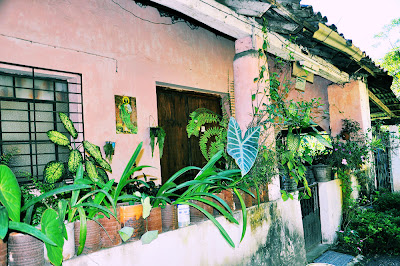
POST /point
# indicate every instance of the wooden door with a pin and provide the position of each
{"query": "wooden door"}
(174, 108)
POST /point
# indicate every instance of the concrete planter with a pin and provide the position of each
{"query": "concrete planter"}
(322, 172)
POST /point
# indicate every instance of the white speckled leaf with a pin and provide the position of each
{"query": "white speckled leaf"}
(243, 150)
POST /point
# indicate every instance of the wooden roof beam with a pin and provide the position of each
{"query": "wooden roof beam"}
(380, 104)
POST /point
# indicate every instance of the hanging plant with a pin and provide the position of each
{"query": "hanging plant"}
(159, 133)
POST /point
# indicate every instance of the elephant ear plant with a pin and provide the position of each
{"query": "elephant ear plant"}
(95, 165)
(209, 179)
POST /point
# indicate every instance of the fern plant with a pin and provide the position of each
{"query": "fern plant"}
(213, 139)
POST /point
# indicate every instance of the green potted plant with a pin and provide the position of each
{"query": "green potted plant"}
(51, 232)
(322, 165)
(159, 134)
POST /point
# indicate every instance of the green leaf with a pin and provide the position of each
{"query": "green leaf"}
(216, 223)
(30, 230)
(245, 150)
(54, 192)
(53, 172)
(102, 175)
(58, 138)
(293, 141)
(149, 236)
(68, 125)
(244, 213)
(3, 222)
(75, 158)
(321, 139)
(10, 193)
(104, 164)
(83, 230)
(146, 207)
(92, 149)
(126, 233)
(91, 171)
(52, 228)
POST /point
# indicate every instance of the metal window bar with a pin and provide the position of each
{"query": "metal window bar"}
(28, 106)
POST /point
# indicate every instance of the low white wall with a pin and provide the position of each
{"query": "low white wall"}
(395, 157)
(330, 205)
(274, 237)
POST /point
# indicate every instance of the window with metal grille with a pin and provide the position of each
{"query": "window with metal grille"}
(30, 99)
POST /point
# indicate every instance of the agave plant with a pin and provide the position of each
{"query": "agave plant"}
(95, 165)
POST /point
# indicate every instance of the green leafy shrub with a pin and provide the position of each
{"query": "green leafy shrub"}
(388, 202)
(373, 230)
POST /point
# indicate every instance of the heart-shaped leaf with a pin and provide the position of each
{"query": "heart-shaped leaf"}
(126, 233)
(146, 207)
(10, 194)
(3, 222)
(149, 236)
(52, 228)
(243, 150)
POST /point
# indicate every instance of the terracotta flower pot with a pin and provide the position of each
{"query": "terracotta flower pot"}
(154, 221)
(169, 216)
(109, 233)
(264, 193)
(228, 197)
(3, 253)
(222, 196)
(25, 250)
(132, 216)
(196, 215)
(92, 242)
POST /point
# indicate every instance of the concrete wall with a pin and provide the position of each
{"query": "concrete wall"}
(349, 101)
(330, 206)
(274, 237)
(117, 54)
(395, 157)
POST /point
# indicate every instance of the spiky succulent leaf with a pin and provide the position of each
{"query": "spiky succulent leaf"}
(58, 138)
(75, 158)
(53, 172)
(92, 149)
(68, 125)
(91, 171)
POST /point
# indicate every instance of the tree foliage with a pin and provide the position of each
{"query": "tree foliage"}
(391, 61)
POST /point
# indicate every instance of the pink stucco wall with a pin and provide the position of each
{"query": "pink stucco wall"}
(349, 101)
(317, 89)
(65, 36)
